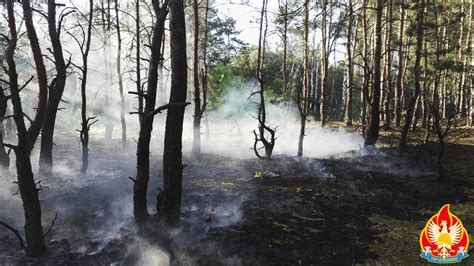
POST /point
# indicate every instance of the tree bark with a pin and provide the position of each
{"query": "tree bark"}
(417, 71)
(35, 127)
(86, 121)
(324, 65)
(26, 183)
(170, 200)
(4, 158)
(56, 90)
(350, 65)
(198, 108)
(263, 128)
(388, 67)
(399, 86)
(120, 78)
(286, 89)
(303, 102)
(374, 120)
(140, 188)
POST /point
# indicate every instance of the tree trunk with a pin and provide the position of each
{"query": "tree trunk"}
(399, 86)
(4, 158)
(367, 73)
(374, 120)
(286, 91)
(26, 183)
(35, 127)
(350, 65)
(303, 102)
(198, 109)
(86, 121)
(140, 188)
(56, 90)
(417, 71)
(324, 65)
(120, 78)
(263, 128)
(170, 201)
(388, 68)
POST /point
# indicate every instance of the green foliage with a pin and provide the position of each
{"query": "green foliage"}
(224, 44)
(220, 76)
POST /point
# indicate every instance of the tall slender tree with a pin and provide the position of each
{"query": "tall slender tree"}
(304, 104)
(268, 142)
(374, 119)
(169, 204)
(417, 70)
(350, 62)
(35, 244)
(400, 69)
(56, 89)
(140, 188)
(119, 75)
(199, 108)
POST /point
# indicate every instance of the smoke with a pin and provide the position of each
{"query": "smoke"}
(231, 125)
(142, 253)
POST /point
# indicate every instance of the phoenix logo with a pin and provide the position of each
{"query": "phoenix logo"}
(444, 239)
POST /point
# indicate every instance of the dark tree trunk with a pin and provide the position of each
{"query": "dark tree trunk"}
(388, 68)
(399, 85)
(86, 121)
(35, 127)
(417, 72)
(263, 128)
(138, 57)
(367, 73)
(26, 183)
(374, 120)
(198, 108)
(140, 188)
(56, 90)
(170, 200)
(4, 158)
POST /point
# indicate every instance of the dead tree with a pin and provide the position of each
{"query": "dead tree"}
(199, 108)
(120, 78)
(35, 244)
(140, 187)
(169, 200)
(374, 119)
(56, 88)
(417, 71)
(86, 121)
(265, 135)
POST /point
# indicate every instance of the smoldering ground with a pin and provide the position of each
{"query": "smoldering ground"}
(221, 196)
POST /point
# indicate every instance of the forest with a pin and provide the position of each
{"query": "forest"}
(236, 132)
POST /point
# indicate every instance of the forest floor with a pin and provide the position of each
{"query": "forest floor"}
(360, 207)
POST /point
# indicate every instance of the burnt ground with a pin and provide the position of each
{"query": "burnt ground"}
(360, 207)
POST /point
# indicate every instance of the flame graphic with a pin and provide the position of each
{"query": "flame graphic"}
(444, 214)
